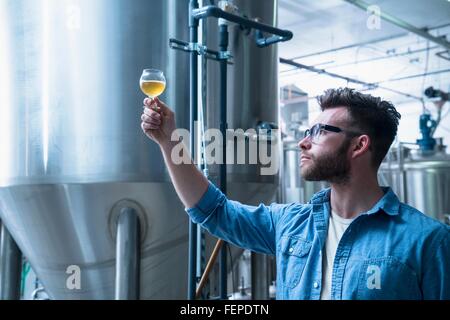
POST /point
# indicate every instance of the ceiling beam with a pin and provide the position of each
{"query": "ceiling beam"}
(363, 43)
(402, 24)
(368, 85)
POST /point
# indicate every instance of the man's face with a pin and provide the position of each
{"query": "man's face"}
(327, 158)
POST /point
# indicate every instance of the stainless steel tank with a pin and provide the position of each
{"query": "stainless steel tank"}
(252, 99)
(71, 143)
(420, 181)
(72, 150)
(252, 84)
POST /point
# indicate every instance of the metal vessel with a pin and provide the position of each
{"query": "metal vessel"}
(252, 105)
(420, 181)
(252, 85)
(73, 153)
(72, 148)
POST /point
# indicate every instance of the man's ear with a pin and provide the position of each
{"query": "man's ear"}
(361, 145)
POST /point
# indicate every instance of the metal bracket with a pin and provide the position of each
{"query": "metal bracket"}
(200, 50)
(262, 41)
(224, 55)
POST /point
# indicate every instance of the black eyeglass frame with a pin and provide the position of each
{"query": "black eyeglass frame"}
(320, 126)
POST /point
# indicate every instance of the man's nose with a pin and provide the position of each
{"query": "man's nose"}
(305, 143)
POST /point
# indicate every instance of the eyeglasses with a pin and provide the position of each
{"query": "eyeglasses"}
(315, 131)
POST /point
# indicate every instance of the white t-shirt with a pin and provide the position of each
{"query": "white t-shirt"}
(336, 228)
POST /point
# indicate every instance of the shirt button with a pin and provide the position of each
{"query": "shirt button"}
(291, 250)
(315, 285)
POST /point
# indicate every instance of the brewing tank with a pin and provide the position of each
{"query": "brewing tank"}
(252, 104)
(420, 181)
(73, 153)
(72, 149)
(252, 95)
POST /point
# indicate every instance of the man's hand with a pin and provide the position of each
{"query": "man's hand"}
(158, 121)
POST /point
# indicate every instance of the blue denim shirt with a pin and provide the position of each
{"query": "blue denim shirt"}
(392, 251)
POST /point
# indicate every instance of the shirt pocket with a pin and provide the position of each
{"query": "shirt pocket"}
(294, 254)
(387, 278)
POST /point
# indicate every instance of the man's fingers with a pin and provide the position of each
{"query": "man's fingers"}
(149, 126)
(151, 104)
(150, 119)
(156, 104)
(163, 106)
(148, 102)
(152, 113)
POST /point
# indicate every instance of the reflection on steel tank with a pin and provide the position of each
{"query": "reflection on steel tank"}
(420, 180)
(252, 103)
(72, 150)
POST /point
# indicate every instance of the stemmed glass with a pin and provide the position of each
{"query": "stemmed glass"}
(152, 82)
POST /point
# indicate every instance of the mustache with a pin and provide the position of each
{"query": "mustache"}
(306, 155)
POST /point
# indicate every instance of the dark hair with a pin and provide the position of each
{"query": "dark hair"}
(369, 115)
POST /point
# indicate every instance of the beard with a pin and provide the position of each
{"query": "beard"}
(333, 167)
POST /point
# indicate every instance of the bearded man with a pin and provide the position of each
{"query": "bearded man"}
(354, 240)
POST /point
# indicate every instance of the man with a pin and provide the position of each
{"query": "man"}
(355, 240)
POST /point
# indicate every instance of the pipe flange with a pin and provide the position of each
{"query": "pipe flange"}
(114, 217)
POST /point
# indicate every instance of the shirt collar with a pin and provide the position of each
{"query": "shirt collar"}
(389, 203)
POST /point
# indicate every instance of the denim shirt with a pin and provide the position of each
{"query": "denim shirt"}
(392, 251)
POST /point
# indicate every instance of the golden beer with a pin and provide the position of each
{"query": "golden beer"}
(153, 88)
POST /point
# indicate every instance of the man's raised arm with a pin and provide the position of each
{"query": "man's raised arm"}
(158, 123)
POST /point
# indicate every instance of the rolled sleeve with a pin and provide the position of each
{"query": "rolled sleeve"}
(250, 227)
(212, 198)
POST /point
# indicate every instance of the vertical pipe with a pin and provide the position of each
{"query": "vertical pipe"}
(10, 266)
(201, 260)
(223, 46)
(127, 255)
(402, 173)
(193, 105)
(260, 279)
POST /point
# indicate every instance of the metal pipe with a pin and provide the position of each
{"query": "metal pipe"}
(322, 71)
(10, 266)
(223, 272)
(335, 75)
(364, 43)
(195, 15)
(390, 56)
(402, 173)
(128, 255)
(359, 44)
(213, 11)
(193, 105)
(416, 76)
(223, 46)
(260, 279)
(402, 24)
(35, 293)
(201, 242)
